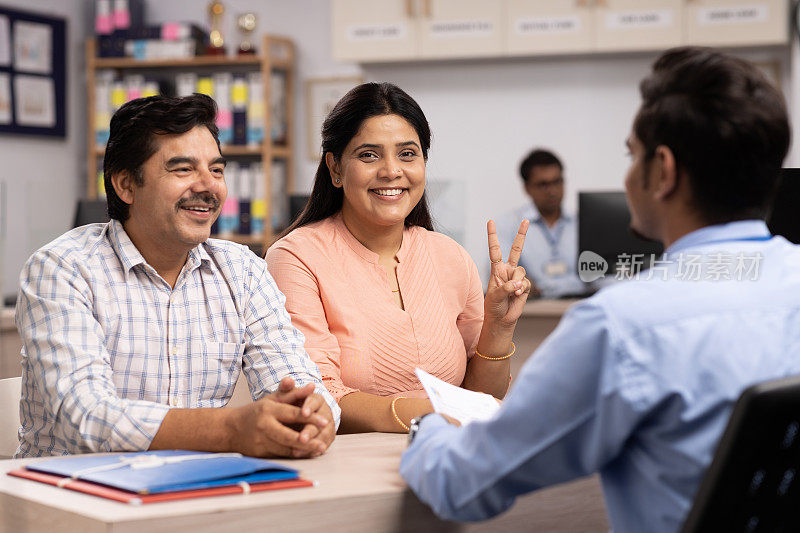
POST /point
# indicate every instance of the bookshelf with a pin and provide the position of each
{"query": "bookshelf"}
(276, 54)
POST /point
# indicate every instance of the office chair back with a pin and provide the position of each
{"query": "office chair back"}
(89, 212)
(752, 483)
(10, 391)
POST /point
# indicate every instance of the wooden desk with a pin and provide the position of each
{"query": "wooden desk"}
(358, 489)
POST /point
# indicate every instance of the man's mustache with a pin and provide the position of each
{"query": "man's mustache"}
(206, 199)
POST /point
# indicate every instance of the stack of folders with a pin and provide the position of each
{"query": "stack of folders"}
(160, 476)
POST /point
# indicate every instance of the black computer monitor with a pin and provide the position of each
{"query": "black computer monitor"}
(89, 212)
(784, 217)
(604, 228)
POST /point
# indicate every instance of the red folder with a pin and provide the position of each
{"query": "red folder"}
(138, 499)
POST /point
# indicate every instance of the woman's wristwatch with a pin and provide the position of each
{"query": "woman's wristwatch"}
(414, 426)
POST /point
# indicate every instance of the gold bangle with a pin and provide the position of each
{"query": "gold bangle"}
(513, 349)
(394, 412)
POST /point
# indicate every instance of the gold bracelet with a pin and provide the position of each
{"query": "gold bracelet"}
(513, 349)
(394, 412)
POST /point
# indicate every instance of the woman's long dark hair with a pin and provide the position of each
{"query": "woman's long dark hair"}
(342, 124)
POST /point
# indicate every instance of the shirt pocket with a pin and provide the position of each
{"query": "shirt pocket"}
(215, 369)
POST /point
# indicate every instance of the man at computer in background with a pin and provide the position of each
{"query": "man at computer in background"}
(135, 332)
(550, 254)
(637, 382)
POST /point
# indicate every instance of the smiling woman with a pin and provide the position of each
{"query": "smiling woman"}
(376, 292)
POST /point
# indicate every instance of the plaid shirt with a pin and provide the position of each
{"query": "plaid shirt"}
(109, 347)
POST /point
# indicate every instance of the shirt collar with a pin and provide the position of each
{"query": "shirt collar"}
(730, 231)
(130, 256)
(198, 256)
(127, 252)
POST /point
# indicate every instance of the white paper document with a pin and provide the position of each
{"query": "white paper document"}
(464, 405)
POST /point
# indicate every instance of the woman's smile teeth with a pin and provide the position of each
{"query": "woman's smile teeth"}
(388, 192)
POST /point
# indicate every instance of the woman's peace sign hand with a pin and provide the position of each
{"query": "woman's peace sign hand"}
(508, 287)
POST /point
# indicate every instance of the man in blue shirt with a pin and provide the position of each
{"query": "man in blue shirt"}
(550, 254)
(638, 382)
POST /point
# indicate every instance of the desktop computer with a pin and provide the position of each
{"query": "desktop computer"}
(604, 228)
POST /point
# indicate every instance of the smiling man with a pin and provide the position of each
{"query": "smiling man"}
(136, 331)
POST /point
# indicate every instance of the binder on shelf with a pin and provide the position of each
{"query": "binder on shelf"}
(255, 110)
(102, 106)
(127, 14)
(258, 205)
(101, 184)
(185, 83)
(279, 203)
(134, 84)
(119, 93)
(150, 88)
(163, 475)
(222, 95)
(245, 194)
(103, 23)
(279, 126)
(228, 222)
(205, 85)
(239, 104)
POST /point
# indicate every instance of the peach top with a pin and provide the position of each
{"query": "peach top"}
(340, 297)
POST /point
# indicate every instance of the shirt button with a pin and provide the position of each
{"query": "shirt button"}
(175, 350)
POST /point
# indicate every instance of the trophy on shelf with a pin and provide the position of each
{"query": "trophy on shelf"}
(216, 44)
(246, 24)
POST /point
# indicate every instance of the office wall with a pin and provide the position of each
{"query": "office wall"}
(42, 177)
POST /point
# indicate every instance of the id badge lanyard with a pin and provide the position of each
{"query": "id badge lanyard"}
(556, 266)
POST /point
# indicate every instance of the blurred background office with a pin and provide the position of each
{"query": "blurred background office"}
(494, 78)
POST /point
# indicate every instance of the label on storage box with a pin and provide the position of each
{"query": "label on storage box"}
(748, 14)
(377, 32)
(547, 25)
(630, 20)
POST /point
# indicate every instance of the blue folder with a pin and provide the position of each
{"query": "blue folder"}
(165, 470)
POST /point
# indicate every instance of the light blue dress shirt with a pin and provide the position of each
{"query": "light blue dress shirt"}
(636, 383)
(545, 245)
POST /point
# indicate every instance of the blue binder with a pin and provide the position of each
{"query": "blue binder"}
(166, 470)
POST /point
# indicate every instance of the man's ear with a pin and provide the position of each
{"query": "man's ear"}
(664, 175)
(124, 186)
(334, 168)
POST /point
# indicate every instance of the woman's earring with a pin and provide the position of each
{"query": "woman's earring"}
(338, 180)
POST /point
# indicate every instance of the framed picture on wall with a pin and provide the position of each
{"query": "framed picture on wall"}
(321, 95)
(32, 73)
